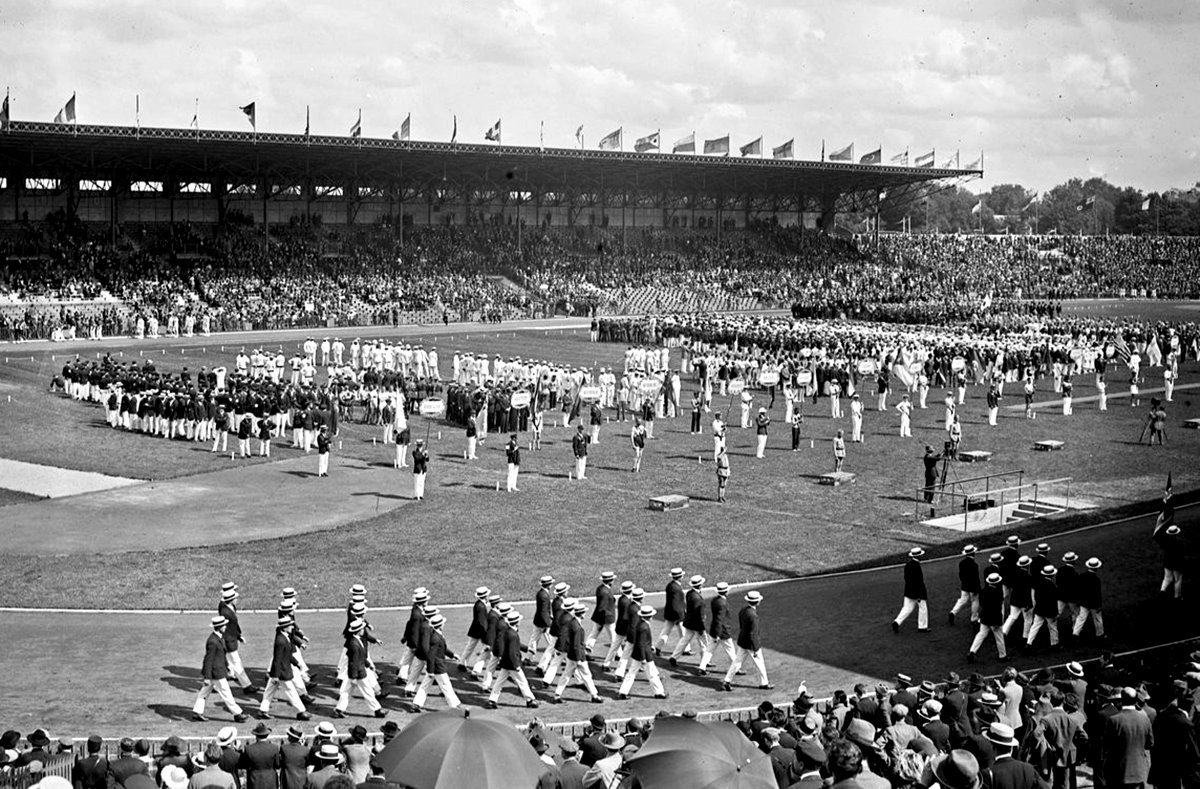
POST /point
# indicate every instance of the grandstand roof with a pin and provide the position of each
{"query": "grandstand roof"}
(48, 150)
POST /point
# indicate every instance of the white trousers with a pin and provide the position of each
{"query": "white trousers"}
(597, 629)
(981, 635)
(1015, 613)
(443, 683)
(685, 642)
(922, 609)
(651, 676)
(581, 672)
(1172, 578)
(726, 645)
(1039, 622)
(513, 471)
(756, 657)
(967, 599)
(419, 485)
(364, 689)
(221, 686)
(289, 692)
(233, 664)
(670, 630)
(1082, 617)
(517, 676)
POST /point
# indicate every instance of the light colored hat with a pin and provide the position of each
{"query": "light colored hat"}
(482, 592)
(1001, 734)
(174, 777)
(561, 587)
(1049, 571)
(1024, 561)
(1069, 557)
(916, 553)
(647, 612)
(493, 598)
(287, 592)
(638, 593)
(753, 597)
(437, 621)
(580, 609)
(931, 710)
(504, 608)
(329, 752)
(513, 617)
(357, 626)
(219, 621)
(1043, 547)
(1094, 563)
(325, 729)
(627, 586)
(994, 578)
(1075, 669)
(676, 572)
(546, 580)
(608, 575)
(1013, 540)
(722, 587)
(969, 549)
(569, 602)
(697, 581)
(1172, 529)
(358, 589)
(420, 594)
(226, 735)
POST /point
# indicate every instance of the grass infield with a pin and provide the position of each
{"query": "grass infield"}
(778, 523)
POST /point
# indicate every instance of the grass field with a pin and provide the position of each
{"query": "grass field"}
(778, 523)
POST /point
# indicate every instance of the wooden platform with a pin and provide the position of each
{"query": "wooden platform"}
(836, 478)
(975, 456)
(672, 501)
(1194, 424)
(1048, 446)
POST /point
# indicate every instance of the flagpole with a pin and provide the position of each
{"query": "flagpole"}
(137, 114)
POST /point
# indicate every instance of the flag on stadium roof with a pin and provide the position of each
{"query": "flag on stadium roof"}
(900, 159)
(648, 143)
(67, 113)
(685, 144)
(196, 117)
(844, 155)
(977, 164)
(4, 113)
(1086, 204)
(719, 145)
(406, 127)
(493, 133)
(579, 135)
(454, 131)
(250, 113)
(1145, 203)
(356, 129)
(951, 163)
(874, 157)
(977, 207)
(612, 140)
(783, 151)
(307, 120)
(752, 148)
(924, 160)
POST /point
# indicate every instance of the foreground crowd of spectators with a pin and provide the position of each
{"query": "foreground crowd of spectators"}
(234, 278)
(1128, 722)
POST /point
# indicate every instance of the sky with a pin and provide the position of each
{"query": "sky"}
(1045, 89)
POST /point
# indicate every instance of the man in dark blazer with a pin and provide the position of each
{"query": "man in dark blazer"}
(510, 663)
(1175, 756)
(693, 621)
(1128, 738)
(915, 595)
(719, 631)
(279, 676)
(783, 760)
(749, 644)
(478, 628)
(215, 674)
(293, 760)
(968, 586)
(233, 637)
(673, 610)
(542, 616)
(91, 771)
(642, 656)
(261, 760)
(125, 765)
(435, 669)
(1008, 772)
(357, 666)
(604, 617)
(575, 653)
(1060, 729)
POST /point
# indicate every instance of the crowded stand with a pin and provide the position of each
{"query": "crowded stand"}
(58, 276)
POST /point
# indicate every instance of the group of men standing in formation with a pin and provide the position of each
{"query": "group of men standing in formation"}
(566, 640)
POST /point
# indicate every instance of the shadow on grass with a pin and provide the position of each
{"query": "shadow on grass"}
(393, 496)
(174, 712)
(301, 474)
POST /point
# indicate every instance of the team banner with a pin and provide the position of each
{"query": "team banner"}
(685, 144)
(753, 148)
(611, 141)
(783, 151)
(719, 145)
(844, 155)
(874, 157)
(924, 160)
(647, 143)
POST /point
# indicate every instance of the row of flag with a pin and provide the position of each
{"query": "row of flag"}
(613, 141)
(846, 154)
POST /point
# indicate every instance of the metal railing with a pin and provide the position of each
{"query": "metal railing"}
(957, 482)
(1034, 494)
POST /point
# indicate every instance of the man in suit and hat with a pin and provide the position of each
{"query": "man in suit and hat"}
(233, 637)
(958, 769)
(215, 674)
(915, 595)
(720, 633)
(127, 765)
(604, 771)
(261, 761)
(209, 773)
(673, 609)
(749, 644)
(90, 771)
(542, 616)
(693, 621)
(328, 756)
(1045, 607)
(279, 675)
(510, 663)
(1127, 740)
(604, 617)
(435, 669)
(356, 675)
(293, 760)
(968, 586)
(1090, 599)
(642, 656)
(477, 629)
(1008, 772)
(991, 618)
(420, 458)
(576, 657)
(416, 615)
